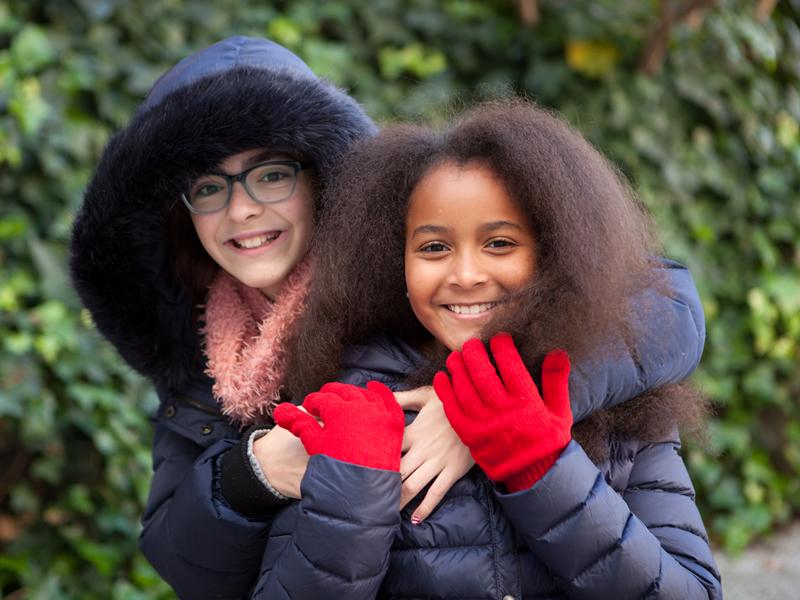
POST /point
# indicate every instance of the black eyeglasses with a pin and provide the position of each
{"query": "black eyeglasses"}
(266, 183)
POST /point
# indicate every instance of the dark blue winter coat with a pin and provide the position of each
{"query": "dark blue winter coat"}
(235, 96)
(627, 528)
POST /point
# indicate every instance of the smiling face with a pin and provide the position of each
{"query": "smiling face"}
(468, 246)
(259, 244)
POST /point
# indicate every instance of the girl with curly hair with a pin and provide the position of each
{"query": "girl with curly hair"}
(508, 221)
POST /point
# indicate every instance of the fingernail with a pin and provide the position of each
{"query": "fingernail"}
(416, 519)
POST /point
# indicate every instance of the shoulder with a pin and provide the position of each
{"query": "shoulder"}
(381, 358)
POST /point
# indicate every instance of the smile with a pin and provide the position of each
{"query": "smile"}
(256, 241)
(470, 309)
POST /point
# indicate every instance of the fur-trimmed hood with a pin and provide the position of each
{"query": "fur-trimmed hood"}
(239, 94)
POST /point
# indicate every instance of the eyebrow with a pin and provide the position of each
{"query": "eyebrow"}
(264, 156)
(486, 227)
(260, 157)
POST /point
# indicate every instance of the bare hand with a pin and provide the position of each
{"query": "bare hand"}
(283, 460)
(432, 452)
(417, 398)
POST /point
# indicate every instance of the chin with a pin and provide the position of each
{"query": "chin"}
(259, 283)
(456, 342)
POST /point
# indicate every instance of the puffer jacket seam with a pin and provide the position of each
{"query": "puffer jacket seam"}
(333, 574)
(656, 583)
(681, 491)
(283, 587)
(689, 530)
(691, 559)
(613, 548)
(598, 482)
(640, 371)
(493, 537)
(348, 521)
(423, 548)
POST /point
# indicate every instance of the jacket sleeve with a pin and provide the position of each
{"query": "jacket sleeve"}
(196, 542)
(335, 542)
(648, 542)
(670, 337)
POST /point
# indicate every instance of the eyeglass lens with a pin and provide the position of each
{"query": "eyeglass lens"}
(269, 182)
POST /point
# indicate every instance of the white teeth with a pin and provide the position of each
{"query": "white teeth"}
(255, 242)
(470, 309)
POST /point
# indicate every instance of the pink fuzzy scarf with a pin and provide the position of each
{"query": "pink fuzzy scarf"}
(246, 337)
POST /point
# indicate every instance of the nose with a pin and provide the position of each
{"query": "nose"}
(242, 207)
(467, 270)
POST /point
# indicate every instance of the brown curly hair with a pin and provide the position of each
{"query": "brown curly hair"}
(594, 241)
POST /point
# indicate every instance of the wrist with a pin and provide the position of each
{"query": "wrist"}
(530, 476)
(255, 464)
(240, 486)
(282, 460)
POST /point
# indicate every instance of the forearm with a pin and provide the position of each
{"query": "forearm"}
(195, 541)
(335, 542)
(596, 547)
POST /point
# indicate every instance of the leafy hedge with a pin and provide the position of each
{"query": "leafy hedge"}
(698, 104)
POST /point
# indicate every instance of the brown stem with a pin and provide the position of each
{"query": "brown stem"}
(764, 9)
(670, 13)
(529, 12)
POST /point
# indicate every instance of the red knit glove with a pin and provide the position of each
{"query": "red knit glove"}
(513, 435)
(360, 426)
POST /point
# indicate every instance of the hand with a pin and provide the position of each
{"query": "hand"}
(283, 460)
(432, 452)
(417, 398)
(513, 434)
(360, 426)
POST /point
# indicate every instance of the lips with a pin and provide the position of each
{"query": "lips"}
(255, 241)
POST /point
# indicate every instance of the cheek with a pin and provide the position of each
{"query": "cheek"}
(519, 274)
(301, 216)
(205, 227)
(419, 285)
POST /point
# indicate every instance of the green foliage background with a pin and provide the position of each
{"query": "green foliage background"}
(711, 141)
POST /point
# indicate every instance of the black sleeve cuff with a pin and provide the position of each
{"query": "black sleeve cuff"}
(240, 486)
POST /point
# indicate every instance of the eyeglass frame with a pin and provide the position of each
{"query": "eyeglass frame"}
(241, 177)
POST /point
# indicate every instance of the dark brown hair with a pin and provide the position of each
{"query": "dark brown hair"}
(594, 248)
(194, 268)
(594, 241)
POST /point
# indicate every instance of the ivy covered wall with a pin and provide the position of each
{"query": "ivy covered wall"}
(697, 101)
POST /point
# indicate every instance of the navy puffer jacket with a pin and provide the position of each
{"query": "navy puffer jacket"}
(625, 529)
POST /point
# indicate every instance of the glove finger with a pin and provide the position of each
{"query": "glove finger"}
(483, 374)
(346, 391)
(555, 383)
(452, 407)
(386, 396)
(463, 388)
(323, 405)
(516, 377)
(301, 424)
